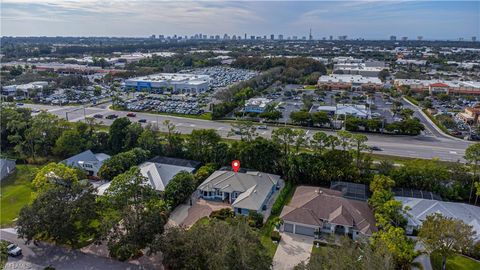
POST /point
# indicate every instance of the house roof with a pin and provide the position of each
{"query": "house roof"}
(176, 161)
(159, 174)
(438, 85)
(253, 186)
(314, 205)
(421, 208)
(87, 155)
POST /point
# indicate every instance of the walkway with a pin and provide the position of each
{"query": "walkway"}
(292, 250)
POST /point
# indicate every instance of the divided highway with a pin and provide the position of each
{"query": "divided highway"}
(433, 145)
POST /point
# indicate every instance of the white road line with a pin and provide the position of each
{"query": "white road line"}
(453, 152)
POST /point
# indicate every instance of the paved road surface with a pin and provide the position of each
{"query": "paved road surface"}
(42, 255)
(423, 146)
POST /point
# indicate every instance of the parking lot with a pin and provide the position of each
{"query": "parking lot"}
(180, 104)
(221, 76)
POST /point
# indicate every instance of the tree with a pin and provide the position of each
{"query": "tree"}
(397, 243)
(260, 154)
(43, 133)
(148, 141)
(332, 141)
(55, 174)
(117, 134)
(284, 137)
(472, 155)
(62, 214)
(122, 162)
(358, 141)
(318, 141)
(132, 135)
(174, 141)
(445, 236)
(201, 144)
(245, 129)
(179, 189)
(216, 245)
(344, 137)
(350, 255)
(69, 144)
(141, 215)
(320, 118)
(300, 117)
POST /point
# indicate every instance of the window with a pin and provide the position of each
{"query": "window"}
(239, 210)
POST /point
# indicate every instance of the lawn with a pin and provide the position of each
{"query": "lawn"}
(458, 262)
(15, 193)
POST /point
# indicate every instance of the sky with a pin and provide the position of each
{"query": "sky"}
(369, 19)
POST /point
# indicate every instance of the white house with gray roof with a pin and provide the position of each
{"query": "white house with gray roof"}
(419, 209)
(161, 170)
(246, 192)
(87, 161)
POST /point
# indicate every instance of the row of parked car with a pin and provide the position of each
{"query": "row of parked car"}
(167, 106)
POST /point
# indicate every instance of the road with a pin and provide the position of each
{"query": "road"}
(43, 254)
(429, 146)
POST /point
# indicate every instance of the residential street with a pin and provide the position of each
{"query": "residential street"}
(44, 254)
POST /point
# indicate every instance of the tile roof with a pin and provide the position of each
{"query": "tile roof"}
(314, 205)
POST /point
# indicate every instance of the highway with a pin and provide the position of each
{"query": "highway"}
(429, 145)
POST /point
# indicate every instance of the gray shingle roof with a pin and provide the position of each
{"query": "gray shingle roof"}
(159, 175)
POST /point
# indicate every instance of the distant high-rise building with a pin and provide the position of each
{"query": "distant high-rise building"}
(217, 36)
(280, 37)
(265, 37)
(324, 38)
(474, 39)
(393, 38)
(245, 37)
(294, 37)
(161, 36)
(252, 37)
(304, 38)
(420, 38)
(331, 37)
(204, 36)
(404, 38)
(272, 37)
(342, 37)
(152, 36)
(310, 37)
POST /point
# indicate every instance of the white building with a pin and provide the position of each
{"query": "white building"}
(87, 161)
(349, 82)
(419, 209)
(172, 82)
(256, 105)
(356, 110)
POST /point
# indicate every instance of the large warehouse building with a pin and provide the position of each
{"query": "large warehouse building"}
(171, 82)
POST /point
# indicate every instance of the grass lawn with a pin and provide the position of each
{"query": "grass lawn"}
(15, 193)
(458, 262)
(310, 87)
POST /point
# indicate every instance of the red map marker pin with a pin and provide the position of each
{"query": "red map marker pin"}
(235, 165)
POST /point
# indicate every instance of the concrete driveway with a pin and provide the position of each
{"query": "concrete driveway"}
(292, 250)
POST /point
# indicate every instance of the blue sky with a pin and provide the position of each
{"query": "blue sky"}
(366, 19)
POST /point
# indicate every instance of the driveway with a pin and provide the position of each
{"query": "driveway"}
(44, 254)
(201, 208)
(292, 250)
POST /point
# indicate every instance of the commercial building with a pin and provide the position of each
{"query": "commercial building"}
(256, 105)
(436, 86)
(470, 115)
(171, 82)
(356, 110)
(349, 82)
(314, 210)
(12, 90)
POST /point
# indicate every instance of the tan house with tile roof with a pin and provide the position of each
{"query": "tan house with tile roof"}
(315, 210)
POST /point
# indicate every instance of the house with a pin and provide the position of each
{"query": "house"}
(419, 209)
(160, 170)
(87, 161)
(315, 210)
(249, 191)
(7, 166)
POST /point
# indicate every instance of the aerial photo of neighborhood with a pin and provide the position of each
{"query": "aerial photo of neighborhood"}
(243, 135)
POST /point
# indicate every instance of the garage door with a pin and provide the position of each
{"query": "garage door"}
(304, 230)
(288, 227)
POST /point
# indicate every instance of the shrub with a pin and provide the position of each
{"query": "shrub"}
(275, 236)
(255, 219)
(222, 214)
(282, 199)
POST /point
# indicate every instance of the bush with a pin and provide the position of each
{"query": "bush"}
(255, 219)
(275, 236)
(123, 251)
(475, 251)
(121, 162)
(281, 199)
(222, 214)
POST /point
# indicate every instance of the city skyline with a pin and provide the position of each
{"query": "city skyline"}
(355, 19)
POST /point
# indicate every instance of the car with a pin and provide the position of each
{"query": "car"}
(112, 116)
(19, 104)
(131, 114)
(98, 115)
(263, 127)
(142, 120)
(376, 148)
(35, 111)
(14, 250)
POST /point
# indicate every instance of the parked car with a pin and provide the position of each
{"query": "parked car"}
(112, 116)
(98, 115)
(376, 148)
(131, 114)
(14, 250)
(19, 104)
(142, 120)
(263, 127)
(35, 111)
